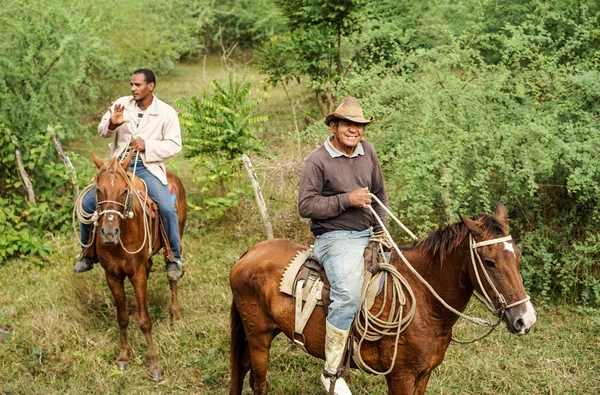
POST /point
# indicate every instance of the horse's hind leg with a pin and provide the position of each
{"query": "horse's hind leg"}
(260, 344)
(118, 290)
(139, 281)
(175, 309)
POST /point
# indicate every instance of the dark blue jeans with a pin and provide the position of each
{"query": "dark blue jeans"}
(158, 192)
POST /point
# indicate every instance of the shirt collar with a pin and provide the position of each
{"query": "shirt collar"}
(152, 109)
(335, 153)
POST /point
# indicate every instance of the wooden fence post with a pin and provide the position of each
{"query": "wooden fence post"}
(262, 208)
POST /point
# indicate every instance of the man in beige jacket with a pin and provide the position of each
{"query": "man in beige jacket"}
(150, 127)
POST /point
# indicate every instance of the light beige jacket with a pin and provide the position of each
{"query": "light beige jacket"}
(159, 128)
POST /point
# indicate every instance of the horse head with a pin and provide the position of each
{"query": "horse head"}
(494, 270)
(113, 197)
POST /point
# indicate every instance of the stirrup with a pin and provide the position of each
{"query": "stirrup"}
(175, 270)
(83, 265)
(340, 386)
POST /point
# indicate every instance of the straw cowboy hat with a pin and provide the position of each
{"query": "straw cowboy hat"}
(348, 110)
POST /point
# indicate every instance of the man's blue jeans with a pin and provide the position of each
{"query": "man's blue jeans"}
(158, 192)
(341, 254)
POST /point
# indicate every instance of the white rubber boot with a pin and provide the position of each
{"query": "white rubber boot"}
(335, 343)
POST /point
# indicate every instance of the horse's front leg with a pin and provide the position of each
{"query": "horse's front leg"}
(140, 283)
(175, 309)
(118, 290)
(401, 383)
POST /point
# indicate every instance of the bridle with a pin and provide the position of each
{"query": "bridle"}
(126, 212)
(503, 305)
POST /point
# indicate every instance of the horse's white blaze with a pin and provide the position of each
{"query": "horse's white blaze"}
(529, 317)
(110, 217)
(509, 247)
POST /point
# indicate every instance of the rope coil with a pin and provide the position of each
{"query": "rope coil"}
(79, 214)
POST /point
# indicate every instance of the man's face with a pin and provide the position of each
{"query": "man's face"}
(140, 89)
(346, 135)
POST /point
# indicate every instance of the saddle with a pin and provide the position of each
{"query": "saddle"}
(305, 281)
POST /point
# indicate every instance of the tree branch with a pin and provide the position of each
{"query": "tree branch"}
(68, 164)
(23, 173)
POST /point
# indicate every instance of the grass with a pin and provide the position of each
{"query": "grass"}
(64, 336)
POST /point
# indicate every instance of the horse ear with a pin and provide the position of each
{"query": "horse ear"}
(470, 224)
(97, 160)
(501, 214)
(127, 160)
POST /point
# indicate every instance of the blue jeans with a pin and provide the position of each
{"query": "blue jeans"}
(341, 254)
(158, 192)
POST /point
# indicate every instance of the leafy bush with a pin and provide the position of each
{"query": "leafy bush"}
(459, 135)
(221, 126)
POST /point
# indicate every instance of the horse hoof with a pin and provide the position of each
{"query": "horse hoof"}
(122, 365)
(157, 375)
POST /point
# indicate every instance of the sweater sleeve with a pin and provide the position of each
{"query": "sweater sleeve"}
(311, 202)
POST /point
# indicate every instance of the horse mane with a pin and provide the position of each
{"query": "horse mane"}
(445, 240)
(110, 166)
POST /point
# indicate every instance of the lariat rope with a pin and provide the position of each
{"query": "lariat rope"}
(79, 215)
(375, 328)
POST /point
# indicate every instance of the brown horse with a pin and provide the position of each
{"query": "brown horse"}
(125, 245)
(260, 311)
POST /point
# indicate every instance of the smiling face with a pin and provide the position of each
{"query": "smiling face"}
(346, 135)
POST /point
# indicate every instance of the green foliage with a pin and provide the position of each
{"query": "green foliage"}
(153, 34)
(221, 126)
(315, 44)
(463, 135)
(245, 24)
(26, 225)
(478, 102)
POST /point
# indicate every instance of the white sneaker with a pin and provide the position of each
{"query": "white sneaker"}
(341, 388)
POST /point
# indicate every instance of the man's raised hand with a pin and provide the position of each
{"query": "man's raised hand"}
(116, 116)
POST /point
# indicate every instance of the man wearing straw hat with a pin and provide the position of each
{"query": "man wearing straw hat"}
(335, 186)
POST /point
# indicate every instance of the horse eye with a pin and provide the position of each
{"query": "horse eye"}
(489, 264)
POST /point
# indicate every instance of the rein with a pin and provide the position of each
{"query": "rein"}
(367, 334)
(127, 211)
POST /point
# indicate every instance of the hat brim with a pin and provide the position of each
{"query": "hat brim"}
(334, 115)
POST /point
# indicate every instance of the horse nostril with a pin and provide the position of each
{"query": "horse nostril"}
(519, 324)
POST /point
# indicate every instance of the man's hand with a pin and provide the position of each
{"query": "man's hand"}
(138, 144)
(116, 116)
(360, 197)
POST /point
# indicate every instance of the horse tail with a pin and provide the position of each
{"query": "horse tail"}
(238, 347)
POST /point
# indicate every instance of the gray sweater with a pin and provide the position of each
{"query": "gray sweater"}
(325, 184)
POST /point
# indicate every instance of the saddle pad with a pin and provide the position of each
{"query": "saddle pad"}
(289, 275)
(173, 191)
